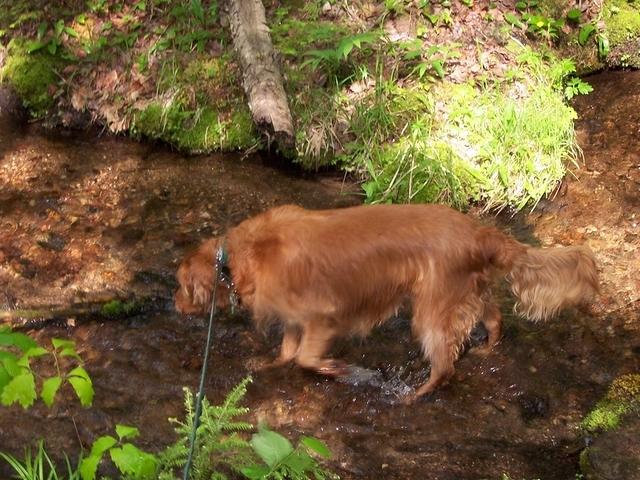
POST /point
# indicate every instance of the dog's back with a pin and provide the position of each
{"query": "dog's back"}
(355, 265)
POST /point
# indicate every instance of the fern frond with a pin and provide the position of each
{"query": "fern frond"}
(219, 448)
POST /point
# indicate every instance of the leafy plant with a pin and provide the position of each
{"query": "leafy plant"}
(395, 7)
(576, 86)
(603, 45)
(331, 58)
(219, 447)
(535, 21)
(585, 33)
(129, 459)
(39, 466)
(18, 379)
(283, 461)
(574, 15)
(430, 59)
(543, 26)
(53, 41)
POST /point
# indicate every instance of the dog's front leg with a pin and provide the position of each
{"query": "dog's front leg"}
(492, 321)
(316, 340)
(290, 345)
(288, 348)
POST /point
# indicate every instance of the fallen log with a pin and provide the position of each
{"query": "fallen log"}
(262, 80)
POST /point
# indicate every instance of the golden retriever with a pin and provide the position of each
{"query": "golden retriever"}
(337, 272)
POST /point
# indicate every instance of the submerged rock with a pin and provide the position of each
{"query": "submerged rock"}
(614, 455)
(11, 108)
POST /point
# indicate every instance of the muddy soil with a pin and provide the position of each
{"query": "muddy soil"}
(85, 218)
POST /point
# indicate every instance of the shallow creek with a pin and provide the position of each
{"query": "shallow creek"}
(84, 219)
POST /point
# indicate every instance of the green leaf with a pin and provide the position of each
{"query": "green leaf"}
(521, 5)
(101, 445)
(574, 15)
(62, 343)
(35, 352)
(81, 383)
(58, 27)
(4, 377)
(299, 462)
(569, 92)
(89, 467)
(603, 45)
(32, 352)
(15, 339)
(513, 19)
(438, 68)
(317, 446)
(270, 446)
(130, 460)
(21, 389)
(71, 32)
(255, 472)
(42, 29)
(49, 389)
(125, 431)
(35, 45)
(585, 32)
(421, 69)
(70, 352)
(10, 363)
(584, 88)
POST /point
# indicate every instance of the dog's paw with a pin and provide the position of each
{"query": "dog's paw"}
(409, 399)
(482, 350)
(333, 368)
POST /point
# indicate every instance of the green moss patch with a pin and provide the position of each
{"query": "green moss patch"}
(622, 23)
(196, 131)
(118, 309)
(622, 20)
(622, 397)
(33, 75)
(203, 108)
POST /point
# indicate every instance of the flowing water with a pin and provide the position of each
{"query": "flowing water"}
(84, 219)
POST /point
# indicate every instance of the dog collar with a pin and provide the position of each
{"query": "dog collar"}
(224, 275)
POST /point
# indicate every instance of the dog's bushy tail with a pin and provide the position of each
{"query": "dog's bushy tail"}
(543, 280)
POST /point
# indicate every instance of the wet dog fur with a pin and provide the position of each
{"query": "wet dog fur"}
(328, 273)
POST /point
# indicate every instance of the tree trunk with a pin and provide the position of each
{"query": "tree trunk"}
(262, 81)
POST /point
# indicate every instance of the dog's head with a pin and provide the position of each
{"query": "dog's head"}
(197, 275)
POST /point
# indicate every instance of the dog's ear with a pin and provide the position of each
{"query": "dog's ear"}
(196, 276)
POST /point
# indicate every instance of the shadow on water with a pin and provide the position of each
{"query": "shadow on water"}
(92, 218)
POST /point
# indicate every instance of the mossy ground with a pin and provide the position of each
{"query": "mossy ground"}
(622, 398)
(33, 75)
(400, 95)
(204, 110)
(622, 23)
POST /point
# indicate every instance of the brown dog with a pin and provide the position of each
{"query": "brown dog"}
(340, 272)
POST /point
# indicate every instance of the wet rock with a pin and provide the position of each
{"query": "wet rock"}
(11, 108)
(614, 455)
(52, 241)
(533, 406)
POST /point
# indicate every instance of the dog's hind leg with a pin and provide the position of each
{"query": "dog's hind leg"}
(439, 348)
(316, 340)
(442, 329)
